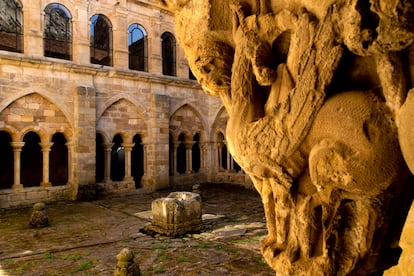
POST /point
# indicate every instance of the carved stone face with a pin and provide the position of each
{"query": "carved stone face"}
(313, 89)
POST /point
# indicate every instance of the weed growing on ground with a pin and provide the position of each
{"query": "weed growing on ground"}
(83, 266)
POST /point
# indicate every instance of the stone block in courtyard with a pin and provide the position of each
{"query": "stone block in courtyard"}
(176, 214)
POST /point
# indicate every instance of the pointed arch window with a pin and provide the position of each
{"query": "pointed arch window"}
(11, 26)
(101, 40)
(57, 35)
(168, 54)
(137, 47)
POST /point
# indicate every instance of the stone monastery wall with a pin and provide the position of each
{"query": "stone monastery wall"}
(77, 115)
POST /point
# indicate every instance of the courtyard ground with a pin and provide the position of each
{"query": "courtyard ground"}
(84, 237)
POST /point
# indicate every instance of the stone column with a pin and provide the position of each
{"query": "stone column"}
(219, 156)
(46, 153)
(145, 148)
(107, 161)
(17, 149)
(128, 149)
(203, 155)
(174, 157)
(189, 158)
(69, 145)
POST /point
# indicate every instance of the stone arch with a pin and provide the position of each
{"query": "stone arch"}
(35, 112)
(220, 123)
(122, 116)
(188, 120)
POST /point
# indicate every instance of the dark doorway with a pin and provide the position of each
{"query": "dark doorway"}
(195, 153)
(6, 161)
(58, 165)
(137, 162)
(31, 160)
(117, 159)
(181, 155)
(100, 159)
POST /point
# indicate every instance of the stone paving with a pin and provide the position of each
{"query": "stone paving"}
(84, 237)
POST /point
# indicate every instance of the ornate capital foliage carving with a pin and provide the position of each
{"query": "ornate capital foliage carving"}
(318, 96)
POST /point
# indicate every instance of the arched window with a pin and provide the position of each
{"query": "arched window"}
(31, 160)
(6, 161)
(101, 40)
(57, 34)
(137, 47)
(11, 26)
(168, 54)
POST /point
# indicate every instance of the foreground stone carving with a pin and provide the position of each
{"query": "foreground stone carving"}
(316, 93)
(176, 214)
(126, 264)
(39, 217)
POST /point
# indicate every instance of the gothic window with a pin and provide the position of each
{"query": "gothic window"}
(117, 159)
(31, 160)
(58, 165)
(57, 35)
(168, 54)
(101, 40)
(6, 161)
(137, 47)
(11, 26)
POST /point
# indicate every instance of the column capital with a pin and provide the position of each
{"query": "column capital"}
(108, 146)
(189, 144)
(46, 146)
(128, 146)
(17, 145)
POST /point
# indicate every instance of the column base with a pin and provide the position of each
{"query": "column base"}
(46, 184)
(17, 187)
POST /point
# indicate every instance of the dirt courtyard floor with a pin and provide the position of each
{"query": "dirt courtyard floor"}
(84, 237)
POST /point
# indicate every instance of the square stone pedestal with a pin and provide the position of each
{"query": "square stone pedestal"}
(176, 214)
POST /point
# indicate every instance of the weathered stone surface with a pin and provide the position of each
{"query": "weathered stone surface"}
(39, 217)
(126, 265)
(176, 214)
(313, 90)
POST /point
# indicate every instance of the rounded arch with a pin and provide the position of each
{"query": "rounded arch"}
(101, 40)
(31, 160)
(137, 47)
(169, 54)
